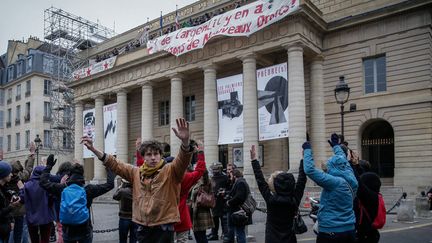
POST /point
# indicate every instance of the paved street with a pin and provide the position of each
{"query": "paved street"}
(105, 217)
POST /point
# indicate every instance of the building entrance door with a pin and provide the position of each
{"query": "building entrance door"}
(378, 148)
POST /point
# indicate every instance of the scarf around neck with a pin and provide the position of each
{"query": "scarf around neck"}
(148, 171)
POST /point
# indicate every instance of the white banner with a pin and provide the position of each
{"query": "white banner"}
(110, 128)
(272, 87)
(88, 130)
(230, 109)
(242, 21)
(95, 68)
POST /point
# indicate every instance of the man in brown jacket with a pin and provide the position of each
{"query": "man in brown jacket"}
(156, 185)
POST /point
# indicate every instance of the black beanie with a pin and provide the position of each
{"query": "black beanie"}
(371, 180)
(5, 169)
(284, 183)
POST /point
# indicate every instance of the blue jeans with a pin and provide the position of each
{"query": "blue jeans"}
(238, 231)
(126, 226)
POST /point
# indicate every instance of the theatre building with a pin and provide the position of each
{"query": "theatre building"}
(289, 69)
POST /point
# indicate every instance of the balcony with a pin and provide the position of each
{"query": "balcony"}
(27, 118)
(17, 121)
(18, 97)
(47, 119)
(8, 124)
(27, 93)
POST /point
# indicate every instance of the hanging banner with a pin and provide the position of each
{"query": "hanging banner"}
(272, 88)
(230, 109)
(89, 130)
(94, 68)
(242, 21)
(110, 128)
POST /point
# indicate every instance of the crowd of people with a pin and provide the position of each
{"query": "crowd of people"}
(145, 35)
(164, 199)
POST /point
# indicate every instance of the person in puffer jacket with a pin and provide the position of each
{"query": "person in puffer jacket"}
(336, 218)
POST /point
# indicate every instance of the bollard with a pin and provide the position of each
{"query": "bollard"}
(406, 211)
(422, 207)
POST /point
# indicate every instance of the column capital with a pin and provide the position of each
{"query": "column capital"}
(210, 67)
(98, 97)
(121, 91)
(145, 83)
(294, 46)
(247, 57)
(176, 76)
(78, 103)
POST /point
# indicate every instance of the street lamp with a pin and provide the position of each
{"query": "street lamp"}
(38, 143)
(342, 92)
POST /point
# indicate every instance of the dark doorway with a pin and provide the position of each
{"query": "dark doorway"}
(378, 147)
(223, 155)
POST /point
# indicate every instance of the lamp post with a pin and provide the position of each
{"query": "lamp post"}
(38, 143)
(342, 92)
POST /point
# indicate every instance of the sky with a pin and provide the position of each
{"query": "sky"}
(22, 19)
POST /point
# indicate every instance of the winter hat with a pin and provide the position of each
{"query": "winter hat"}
(284, 183)
(371, 180)
(5, 169)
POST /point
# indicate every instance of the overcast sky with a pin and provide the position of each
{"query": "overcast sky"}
(20, 19)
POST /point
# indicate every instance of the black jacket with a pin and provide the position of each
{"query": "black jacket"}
(367, 195)
(238, 195)
(219, 181)
(75, 232)
(123, 194)
(282, 206)
(5, 213)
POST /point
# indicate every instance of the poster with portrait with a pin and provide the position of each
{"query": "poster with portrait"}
(237, 156)
(272, 85)
(89, 130)
(110, 128)
(230, 109)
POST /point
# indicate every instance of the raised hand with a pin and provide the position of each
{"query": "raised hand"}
(253, 155)
(51, 161)
(88, 142)
(182, 131)
(334, 140)
(138, 143)
(32, 147)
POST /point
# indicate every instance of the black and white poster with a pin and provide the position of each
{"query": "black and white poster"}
(230, 109)
(110, 128)
(89, 130)
(272, 84)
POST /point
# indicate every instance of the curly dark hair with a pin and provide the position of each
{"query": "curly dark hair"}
(150, 145)
(64, 168)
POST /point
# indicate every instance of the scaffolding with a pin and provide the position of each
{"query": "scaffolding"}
(69, 37)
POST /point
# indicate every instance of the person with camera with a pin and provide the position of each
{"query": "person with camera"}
(156, 185)
(282, 195)
(336, 218)
(220, 183)
(236, 197)
(190, 178)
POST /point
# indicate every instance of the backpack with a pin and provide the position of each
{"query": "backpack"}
(380, 218)
(73, 205)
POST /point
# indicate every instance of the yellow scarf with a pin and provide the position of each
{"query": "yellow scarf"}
(147, 171)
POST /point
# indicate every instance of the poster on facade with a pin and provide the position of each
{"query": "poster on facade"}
(88, 130)
(242, 21)
(272, 85)
(230, 109)
(110, 128)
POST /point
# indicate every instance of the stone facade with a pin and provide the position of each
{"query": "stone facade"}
(320, 43)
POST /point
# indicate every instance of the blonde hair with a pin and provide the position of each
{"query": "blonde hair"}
(270, 180)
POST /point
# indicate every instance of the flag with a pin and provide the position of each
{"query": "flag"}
(177, 23)
(161, 24)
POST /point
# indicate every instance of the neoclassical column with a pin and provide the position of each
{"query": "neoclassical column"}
(122, 125)
(296, 105)
(78, 151)
(176, 110)
(147, 111)
(99, 169)
(211, 122)
(317, 113)
(250, 114)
